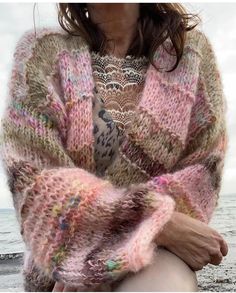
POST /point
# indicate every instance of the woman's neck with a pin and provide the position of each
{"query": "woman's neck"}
(118, 21)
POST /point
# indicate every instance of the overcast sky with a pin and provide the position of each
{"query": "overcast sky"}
(219, 24)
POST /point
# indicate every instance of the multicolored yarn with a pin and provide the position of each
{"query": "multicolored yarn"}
(84, 230)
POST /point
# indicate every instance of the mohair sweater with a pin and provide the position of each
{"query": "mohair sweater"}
(86, 230)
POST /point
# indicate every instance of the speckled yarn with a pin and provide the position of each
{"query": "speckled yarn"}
(82, 229)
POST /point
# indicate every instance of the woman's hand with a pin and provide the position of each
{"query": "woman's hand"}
(193, 241)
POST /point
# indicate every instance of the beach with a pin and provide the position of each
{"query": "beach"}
(212, 278)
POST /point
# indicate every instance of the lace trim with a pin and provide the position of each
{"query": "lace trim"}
(118, 60)
(119, 83)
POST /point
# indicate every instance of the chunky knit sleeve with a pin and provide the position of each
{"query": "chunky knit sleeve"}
(195, 180)
(79, 228)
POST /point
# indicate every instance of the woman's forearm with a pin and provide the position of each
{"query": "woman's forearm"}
(164, 237)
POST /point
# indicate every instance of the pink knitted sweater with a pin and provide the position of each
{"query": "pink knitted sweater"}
(86, 230)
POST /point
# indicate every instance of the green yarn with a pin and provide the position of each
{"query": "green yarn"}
(111, 265)
(40, 116)
(60, 254)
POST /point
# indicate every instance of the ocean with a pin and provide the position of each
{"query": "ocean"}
(10, 238)
(11, 252)
(212, 278)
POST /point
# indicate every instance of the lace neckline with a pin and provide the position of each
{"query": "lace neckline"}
(121, 60)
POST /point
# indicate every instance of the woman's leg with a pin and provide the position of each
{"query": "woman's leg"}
(167, 273)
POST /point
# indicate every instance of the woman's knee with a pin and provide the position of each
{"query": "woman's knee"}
(178, 275)
(166, 273)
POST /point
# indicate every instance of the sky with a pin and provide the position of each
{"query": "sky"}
(218, 23)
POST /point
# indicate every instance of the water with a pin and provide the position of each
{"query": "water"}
(10, 238)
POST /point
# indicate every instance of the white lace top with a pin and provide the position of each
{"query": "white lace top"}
(119, 84)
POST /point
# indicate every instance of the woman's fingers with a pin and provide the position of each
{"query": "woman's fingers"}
(216, 259)
(58, 287)
(224, 247)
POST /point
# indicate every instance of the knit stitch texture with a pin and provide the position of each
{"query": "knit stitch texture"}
(82, 229)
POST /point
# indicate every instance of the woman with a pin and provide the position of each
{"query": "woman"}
(114, 142)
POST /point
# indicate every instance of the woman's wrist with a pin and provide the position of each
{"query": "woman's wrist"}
(164, 237)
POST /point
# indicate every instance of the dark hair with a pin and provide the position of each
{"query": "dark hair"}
(156, 23)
